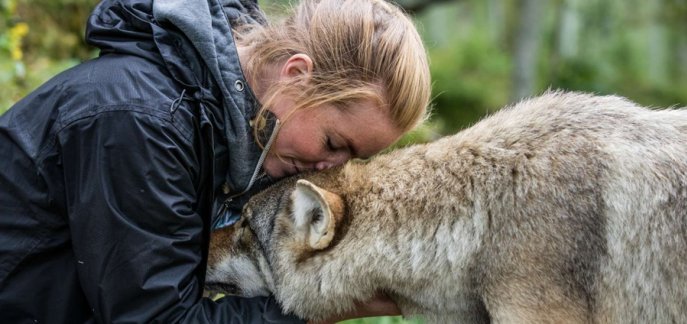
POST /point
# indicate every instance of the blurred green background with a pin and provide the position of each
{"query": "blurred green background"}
(484, 53)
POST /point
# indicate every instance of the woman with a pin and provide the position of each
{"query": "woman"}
(114, 172)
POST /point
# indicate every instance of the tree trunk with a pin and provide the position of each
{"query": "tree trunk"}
(569, 29)
(497, 20)
(527, 44)
(657, 54)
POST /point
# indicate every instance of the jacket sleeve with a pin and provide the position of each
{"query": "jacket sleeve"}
(131, 181)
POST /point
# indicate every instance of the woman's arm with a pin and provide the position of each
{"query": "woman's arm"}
(378, 306)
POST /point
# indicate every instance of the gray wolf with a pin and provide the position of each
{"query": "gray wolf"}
(565, 208)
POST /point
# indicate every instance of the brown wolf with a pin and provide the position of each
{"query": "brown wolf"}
(566, 208)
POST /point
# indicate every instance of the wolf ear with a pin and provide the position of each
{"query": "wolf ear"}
(316, 213)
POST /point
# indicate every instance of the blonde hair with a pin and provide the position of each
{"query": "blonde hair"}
(360, 49)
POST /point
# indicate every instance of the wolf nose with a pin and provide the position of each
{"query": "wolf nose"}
(223, 287)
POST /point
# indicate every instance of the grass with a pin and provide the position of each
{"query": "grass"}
(383, 320)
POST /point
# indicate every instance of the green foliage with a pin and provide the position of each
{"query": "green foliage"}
(12, 33)
(635, 55)
(577, 74)
(383, 320)
(471, 77)
(37, 40)
(632, 48)
(55, 34)
(12, 89)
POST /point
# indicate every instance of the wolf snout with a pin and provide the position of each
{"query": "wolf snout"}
(223, 287)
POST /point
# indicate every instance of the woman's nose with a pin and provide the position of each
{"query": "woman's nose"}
(332, 161)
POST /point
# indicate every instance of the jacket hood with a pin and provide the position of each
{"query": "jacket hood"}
(193, 40)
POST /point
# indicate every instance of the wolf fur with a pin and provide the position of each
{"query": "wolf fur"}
(565, 208)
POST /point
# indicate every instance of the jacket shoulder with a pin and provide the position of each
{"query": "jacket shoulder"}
(121, 83)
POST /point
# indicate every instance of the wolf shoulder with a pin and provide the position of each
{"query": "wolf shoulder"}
(555, 112)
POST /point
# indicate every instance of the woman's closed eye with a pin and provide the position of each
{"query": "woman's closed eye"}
(329, 144)
(336, 144)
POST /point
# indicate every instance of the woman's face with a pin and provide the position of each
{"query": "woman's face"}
(326, 136)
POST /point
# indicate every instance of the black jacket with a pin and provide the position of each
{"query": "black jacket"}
(111, 171)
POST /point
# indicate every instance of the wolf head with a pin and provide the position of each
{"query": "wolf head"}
(279, 228)
(236, 263)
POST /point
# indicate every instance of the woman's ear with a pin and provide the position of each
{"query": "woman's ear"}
(297, 66)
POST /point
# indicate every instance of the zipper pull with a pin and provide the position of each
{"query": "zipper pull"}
(225, 217)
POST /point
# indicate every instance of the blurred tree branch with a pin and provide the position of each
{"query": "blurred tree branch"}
(417, 6)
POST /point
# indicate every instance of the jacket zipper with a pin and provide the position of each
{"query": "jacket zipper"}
(224, 216)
